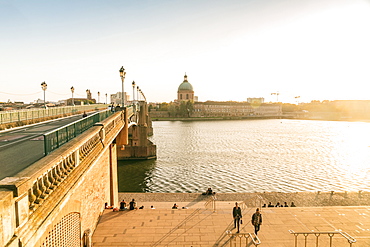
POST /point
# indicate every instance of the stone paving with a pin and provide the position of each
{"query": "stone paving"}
(199, 225)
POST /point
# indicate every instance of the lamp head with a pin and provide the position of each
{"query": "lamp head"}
(122, 72)
(44, 86)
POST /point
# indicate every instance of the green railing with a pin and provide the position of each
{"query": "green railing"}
(30, 114)
(56, 138)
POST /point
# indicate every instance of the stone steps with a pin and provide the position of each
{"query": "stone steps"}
(200, 226)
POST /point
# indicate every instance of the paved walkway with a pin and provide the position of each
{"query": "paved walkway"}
(198, 225)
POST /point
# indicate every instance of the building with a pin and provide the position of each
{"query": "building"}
(82, 101)
(235, 109)
(253, 107)
(185, 91)
(116, 98)
(256, 101)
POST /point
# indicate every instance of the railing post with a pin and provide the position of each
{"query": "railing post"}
(305, 239)
(45, 145)
(296, 240)
(317, 239)
(331, 238)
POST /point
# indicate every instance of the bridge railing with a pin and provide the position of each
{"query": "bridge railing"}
(31, 114)
(317, 235)
(73, 161)
(56, 138)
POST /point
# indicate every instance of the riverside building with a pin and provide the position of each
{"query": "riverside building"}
(253, 107)
(235, 109)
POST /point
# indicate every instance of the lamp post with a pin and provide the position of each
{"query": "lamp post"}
(122, 74)
(98, 97)
(106, 98)
(140, 93)
(73, 100)
(44, 86)
(133, 92)
(137, 92)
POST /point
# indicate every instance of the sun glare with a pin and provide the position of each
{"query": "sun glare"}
(354, 148)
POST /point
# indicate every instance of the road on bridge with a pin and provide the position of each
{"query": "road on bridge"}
(21, 147)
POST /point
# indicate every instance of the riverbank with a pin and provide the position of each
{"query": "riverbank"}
(300, 199)
(213, 118)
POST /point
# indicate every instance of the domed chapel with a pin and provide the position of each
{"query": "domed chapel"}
(185, 91)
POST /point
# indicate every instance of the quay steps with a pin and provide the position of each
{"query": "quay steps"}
(201, 226)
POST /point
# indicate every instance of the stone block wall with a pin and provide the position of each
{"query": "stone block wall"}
(7, 216)
(87, 197)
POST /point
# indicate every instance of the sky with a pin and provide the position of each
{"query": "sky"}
(229, 49)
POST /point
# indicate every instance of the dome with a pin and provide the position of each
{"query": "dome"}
(185, 85)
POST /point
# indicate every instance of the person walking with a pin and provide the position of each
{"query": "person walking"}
(257, 220)
(237, 214)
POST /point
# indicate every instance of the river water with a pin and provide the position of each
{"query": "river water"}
(253, 156)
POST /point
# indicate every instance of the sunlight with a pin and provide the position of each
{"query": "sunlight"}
(353, 147)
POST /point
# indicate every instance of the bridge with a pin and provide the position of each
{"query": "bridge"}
(57, 200)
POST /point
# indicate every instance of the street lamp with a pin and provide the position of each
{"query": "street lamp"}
(106, 98)
(133, 92)
(73, 90)
(122, 74)
(98, 97)
(137, 92)
(140, 93)
(44, 86)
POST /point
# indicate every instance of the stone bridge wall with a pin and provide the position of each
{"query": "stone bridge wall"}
(57, 201)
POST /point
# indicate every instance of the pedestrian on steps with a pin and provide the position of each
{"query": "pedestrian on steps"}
(257, 220)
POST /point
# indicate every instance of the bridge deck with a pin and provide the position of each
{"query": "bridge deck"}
(21, 147)
(198, 226)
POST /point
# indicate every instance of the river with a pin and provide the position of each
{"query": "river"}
(276, 155)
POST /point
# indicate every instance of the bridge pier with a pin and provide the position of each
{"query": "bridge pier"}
(137, 146)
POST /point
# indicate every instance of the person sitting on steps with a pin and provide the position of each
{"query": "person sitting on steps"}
(209, 192)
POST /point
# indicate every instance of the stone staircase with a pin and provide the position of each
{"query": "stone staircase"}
(198, 225)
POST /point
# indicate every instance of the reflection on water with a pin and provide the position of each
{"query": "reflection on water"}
(133, 176)
(253, 155)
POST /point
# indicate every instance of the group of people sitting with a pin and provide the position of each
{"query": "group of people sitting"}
(278, 205)
(209, 192)
(175, 206)
(131, 205)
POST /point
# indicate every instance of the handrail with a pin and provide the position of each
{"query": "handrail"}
(348, 237)
(211, 201)
(243, 205)
(56, 138)
(12, 116)
(243, 236)
(259, 201)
